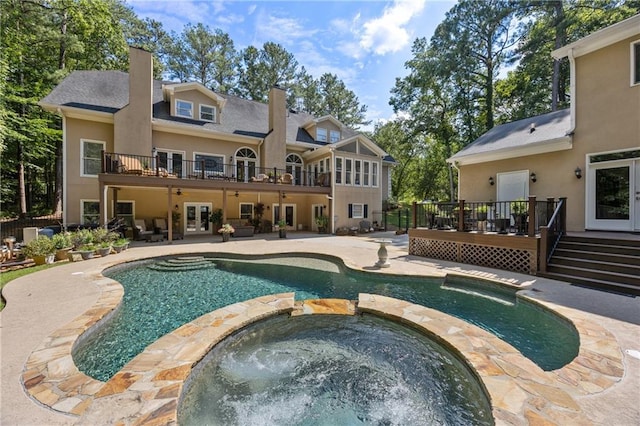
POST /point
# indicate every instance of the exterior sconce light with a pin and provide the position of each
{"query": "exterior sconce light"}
(176, 207)
(179, 192)
(533, 177)
(284, 195)
(578, 172)
(491, 181)
(237, 194)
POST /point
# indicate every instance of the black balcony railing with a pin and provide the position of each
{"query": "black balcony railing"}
(248, 172)
(521, 217)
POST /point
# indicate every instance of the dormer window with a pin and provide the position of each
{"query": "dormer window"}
(321, 134)
(335, 136)
(184, 109)
(207, 113)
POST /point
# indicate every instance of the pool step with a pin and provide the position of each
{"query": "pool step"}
(607, 264)
(187, 263)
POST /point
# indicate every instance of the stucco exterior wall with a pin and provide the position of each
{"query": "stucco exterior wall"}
(197, 98)
(78, 187)
(607, 119)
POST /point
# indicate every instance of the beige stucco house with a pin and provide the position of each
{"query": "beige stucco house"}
(142, 149)
(589, 153)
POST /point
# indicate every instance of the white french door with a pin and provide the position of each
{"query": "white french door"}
(289, 214)
(613, 195)
(197, 218)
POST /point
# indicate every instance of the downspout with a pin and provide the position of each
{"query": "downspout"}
(65, 180)
(572, 89)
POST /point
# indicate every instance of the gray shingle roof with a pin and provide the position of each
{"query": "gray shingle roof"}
(518, 134)
(108, 91)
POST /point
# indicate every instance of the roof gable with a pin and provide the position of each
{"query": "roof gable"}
(533, 135)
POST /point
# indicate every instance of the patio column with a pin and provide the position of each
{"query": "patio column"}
(169, 213)
(224, 206)
(103, 205)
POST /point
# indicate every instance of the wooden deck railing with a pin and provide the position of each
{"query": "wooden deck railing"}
(520, 217)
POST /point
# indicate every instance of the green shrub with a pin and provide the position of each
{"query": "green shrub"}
(61, 240)
(41, 246)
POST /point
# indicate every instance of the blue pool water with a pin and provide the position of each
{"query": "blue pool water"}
(329, 370)
(156, 302)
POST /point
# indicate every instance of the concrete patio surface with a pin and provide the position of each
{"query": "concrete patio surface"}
(41, 303)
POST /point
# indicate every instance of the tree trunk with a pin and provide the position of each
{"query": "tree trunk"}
(62, 55)
(558, 95)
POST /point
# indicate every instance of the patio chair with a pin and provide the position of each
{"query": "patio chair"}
(160, 226)
(260, 178)
(140, 231)
(286, 178)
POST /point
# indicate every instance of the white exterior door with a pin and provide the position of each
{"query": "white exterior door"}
(613, 195)
(513, 185)
(196, 217)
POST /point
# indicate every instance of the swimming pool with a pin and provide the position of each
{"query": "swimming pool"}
(157, 301)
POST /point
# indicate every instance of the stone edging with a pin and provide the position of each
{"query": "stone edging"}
(147, 389)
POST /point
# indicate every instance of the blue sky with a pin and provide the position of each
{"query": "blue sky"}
(365, 43)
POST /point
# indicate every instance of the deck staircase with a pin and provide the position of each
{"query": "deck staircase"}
(605, 263)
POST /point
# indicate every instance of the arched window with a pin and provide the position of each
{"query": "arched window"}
(295, 167)
(246, 163)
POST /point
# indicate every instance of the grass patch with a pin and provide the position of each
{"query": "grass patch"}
(9, 276)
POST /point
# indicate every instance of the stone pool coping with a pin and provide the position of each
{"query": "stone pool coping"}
(146, 391)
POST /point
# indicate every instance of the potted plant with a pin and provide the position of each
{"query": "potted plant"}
(322, 222)
(226, 230)
(282, 228)
(520, 212)
(41, 250)
(481, 212)
(216, 218)
(120, 244)
(62, 243)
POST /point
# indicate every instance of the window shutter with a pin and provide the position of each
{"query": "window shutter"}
(350, 210)
(366, 209)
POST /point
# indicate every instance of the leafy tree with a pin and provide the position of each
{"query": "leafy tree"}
(260, 70)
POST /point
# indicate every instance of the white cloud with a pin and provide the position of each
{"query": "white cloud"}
(251, 9)
(282, 30)
(231, 19)
(387, 34)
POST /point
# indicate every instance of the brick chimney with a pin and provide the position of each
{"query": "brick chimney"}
(132, 124)
(274, 149)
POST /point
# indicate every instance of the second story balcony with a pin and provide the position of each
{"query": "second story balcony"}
(242, 171)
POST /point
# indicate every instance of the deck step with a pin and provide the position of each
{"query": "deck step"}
(598, 284)
(607, 263)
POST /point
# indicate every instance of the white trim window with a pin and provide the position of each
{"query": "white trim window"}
(348, 168)
(321, 134)
(208, 113)
(635, 62)
(89, 212)
(357, 211)
(184, 108)
(334, 136)
(365, 173)
(295, 166)
(90, 157)
(357, 176)
(246, 211)
(339, 170)
(374, 174)
(170, 160)
(213, 164)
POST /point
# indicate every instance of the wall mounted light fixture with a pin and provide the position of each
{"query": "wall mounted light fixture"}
(491, 181)
(533, 177)
(237, 194)
(578, 172)
(176, 207)
(284, 195)
(179, 192)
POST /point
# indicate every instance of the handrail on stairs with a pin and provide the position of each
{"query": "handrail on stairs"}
(551, 233)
